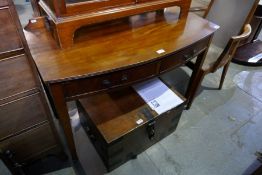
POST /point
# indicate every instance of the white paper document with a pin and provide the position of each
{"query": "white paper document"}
(157, 95)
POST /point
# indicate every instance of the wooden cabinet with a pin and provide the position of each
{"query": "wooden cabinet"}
(26, 127)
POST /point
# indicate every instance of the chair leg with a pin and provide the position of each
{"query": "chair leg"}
(196, 84)
(223, 75)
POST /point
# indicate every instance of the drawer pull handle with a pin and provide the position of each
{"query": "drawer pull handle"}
(106, 83)
(151, 123)
(151, 130)
(124, 77)
(188, 57)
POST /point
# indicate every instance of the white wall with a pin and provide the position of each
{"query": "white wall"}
(230, 15)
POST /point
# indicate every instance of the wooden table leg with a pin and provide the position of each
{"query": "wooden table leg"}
(195, 81)
(63, 116)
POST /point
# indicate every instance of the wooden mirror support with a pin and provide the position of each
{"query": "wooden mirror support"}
(66, 16)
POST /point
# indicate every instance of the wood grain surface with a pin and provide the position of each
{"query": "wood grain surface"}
(116, 45)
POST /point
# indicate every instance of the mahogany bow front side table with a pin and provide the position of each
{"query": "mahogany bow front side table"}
(116, 54)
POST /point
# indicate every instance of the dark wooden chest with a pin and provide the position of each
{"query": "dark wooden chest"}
(121, 125)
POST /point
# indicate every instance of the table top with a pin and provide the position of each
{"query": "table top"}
(115, 45)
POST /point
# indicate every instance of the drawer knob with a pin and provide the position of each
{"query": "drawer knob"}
(124, 77)
(106, 83)
(188, 57)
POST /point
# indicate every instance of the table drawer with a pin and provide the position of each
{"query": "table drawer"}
(10, 39)
(31, 143)
(183, 56)
(16, 76)
(118, 78)
(21, 114)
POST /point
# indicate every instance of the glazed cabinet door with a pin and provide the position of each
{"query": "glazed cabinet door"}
(78, 6)
(102, 2)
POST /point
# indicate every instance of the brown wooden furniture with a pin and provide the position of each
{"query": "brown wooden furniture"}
(25, 127)
(116, 54)
(66, 16)
(252, 46)
(212, 64)
(222, 47)
(111, 119)
(202, 9)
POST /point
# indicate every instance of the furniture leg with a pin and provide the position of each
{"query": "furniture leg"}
(160, 11)
(35, 6)
(196, 85)
(184, 9)
(62, 112)
(208, 8)
(195, 78)
(65, 35)
(223, 75)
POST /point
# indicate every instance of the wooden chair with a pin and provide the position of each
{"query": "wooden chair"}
(199, 8)
(231, 16)
(213, 63)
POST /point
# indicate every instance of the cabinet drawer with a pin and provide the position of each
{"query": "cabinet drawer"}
(10, 39)
(31, 143)
(21, 114)
(3, 3)
(183, 56)
(16, 76)
(110, 80)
